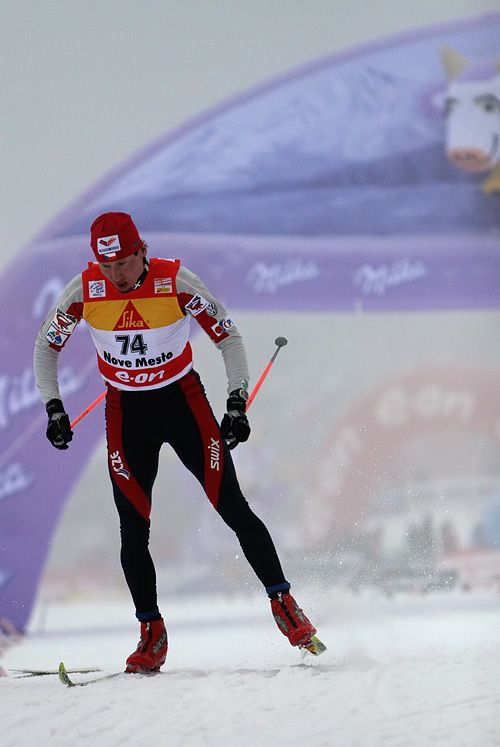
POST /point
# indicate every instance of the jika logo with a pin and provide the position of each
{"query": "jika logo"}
(130, 319)
(117, 465)
(214, 450)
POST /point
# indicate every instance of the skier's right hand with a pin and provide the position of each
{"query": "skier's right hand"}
(59, 430)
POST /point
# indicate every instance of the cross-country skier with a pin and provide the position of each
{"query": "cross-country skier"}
(138, 313)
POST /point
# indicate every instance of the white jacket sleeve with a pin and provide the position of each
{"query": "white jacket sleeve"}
(196, 299)
(53, 335)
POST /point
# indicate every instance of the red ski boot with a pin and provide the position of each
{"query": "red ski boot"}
(294, 624)
(151, 650)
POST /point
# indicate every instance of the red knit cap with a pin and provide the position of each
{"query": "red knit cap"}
(114, 236)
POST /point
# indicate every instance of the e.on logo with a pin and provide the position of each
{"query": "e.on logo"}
(399, 405)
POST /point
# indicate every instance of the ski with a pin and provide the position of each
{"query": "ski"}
(314, 646)
(66, 679)
(43, 672)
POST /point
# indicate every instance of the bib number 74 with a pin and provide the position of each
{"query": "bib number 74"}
(136, 345)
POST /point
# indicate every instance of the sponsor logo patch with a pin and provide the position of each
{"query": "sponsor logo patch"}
(214, 451)
(55, 336)
(65, 322)
(130, 319)
(163, 285)
(270, 278)
(97, 288)
(212, 309)
(222, 326)
(117, 465)
(197, 304)
(108, 245)
(378, 280)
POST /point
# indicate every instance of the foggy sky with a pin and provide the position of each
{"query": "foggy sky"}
(87, 83)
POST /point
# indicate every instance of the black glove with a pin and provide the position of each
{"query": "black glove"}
(59, 430)
(234, 427)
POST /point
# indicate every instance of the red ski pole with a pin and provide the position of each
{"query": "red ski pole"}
(88, 409)
(279, 342)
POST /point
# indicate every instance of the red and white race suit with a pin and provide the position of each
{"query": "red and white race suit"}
(142, 336)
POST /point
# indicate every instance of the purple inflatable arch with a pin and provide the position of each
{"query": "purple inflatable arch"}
(327, 189)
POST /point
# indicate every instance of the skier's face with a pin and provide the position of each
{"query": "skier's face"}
(124, 273)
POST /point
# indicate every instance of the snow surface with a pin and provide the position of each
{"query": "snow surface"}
(401, 671)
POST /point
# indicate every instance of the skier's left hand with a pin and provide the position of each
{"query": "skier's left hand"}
(234, 427)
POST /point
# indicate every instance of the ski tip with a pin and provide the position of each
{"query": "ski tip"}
(63, 675)
(314, 646)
